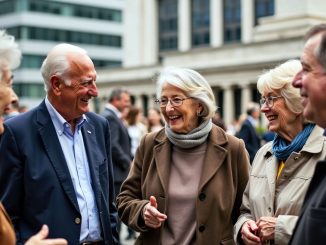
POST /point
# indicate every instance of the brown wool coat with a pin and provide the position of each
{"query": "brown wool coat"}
(7, 234)
(224, 178)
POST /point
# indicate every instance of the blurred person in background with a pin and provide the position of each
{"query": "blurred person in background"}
(10, 57)
(282, 169)
(154, 120)
(218, 121)
(187, 179)
(248, 132)
(115, 112)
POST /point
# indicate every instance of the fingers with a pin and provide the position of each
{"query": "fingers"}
(57, 241)
(248, 233)
(152, 217)
(43, 233)
(152, 201)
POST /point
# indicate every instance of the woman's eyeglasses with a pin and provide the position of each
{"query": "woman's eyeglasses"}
(176, 101)
(269, 101)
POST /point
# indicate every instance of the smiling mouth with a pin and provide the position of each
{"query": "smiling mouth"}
(271, 118)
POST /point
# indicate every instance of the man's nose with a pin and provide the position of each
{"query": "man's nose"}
(93, 90)
(297, 80)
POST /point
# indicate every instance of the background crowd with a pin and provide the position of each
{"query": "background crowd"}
(177, 176)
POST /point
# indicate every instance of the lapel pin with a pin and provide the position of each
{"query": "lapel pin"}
(89, 132)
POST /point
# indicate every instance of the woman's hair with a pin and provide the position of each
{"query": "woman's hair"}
(132, 115)
(192, 84)
(280, 79)
(57, 63)
(10, 54)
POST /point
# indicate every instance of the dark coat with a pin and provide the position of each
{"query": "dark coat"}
(311, 226)
(250, 138)
(35, 184)
(121, 148)
(223, 180)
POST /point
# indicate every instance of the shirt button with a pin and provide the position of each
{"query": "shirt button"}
(202, 196)
(296, 158)
(269, 209)
(77, 221)
(201, 228)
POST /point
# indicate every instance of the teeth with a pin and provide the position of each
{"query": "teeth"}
(271, 117)
(173, 117)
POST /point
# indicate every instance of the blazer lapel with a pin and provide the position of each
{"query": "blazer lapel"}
(89, 138)
(53, 148)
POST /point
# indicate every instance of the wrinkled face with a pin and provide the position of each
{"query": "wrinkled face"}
(7, 95)
(73, 101)
(279, 117)
(181, 119)
(312, 83)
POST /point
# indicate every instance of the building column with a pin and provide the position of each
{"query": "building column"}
(150, 37)
(228, 105)
(216, 23)
(184, 25)
(247, 20)
(245, 98)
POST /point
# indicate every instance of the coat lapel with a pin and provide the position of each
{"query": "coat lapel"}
(53, 148)
(214, 158)
(271, 169)
(162, 156)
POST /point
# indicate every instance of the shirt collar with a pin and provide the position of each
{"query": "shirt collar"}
(58, 121)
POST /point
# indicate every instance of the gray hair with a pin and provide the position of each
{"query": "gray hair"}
(116, 93)
(56, 63)
(320, 51)
(280, 78)
(192, 84)
(10, 55)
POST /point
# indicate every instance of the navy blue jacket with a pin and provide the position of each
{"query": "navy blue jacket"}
(35, 184)
(311, 225)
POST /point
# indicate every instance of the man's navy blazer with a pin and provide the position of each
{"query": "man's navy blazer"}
(35, 184)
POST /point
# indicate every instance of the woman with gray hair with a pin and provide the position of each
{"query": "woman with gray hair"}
(282, 169)
(187, 180)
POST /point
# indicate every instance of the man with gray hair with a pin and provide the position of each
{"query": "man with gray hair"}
(311, 226)
(56, 158)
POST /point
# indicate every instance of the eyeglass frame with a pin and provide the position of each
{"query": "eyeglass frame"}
(263, 101)
(172, 103)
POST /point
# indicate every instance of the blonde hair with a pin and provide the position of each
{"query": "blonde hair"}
(280, 79)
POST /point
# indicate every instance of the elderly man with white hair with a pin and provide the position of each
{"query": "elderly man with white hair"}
(56, 158)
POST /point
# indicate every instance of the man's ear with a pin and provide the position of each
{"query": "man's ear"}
(56, 84)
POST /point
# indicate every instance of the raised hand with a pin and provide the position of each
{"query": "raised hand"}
(152, 217)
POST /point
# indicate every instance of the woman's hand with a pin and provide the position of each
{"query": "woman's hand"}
(266, 228)
(39, 238)
(152, 217)
(248, 233)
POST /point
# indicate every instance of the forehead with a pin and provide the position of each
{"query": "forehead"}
(171, 90)
(81, 65)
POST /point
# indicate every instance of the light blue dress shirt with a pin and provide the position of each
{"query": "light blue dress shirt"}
(73, 148)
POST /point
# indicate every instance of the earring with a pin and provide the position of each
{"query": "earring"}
(198, 113)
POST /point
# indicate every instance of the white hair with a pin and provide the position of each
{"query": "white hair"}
(10, 54)
(280, 78)
(56, 63)
(192, 84)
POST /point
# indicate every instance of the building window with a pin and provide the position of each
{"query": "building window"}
(200, 22)
(7, 7)
(168, 25)
(263, 8)
(30, 90)
(46, 34)
(232, 20)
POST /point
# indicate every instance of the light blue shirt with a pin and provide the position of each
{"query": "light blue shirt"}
(75, 154)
